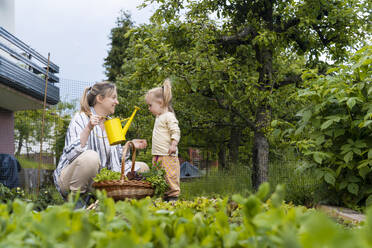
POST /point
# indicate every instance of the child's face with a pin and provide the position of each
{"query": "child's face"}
(155, 107)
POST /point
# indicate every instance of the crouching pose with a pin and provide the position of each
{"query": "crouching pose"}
(87, 149)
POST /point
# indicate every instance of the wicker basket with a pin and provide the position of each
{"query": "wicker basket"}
(123, 188)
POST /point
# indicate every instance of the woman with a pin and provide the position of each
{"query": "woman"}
(87, 149)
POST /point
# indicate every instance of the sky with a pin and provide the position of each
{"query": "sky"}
(75, 32)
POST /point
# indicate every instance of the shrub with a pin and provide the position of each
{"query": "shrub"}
(335, 128)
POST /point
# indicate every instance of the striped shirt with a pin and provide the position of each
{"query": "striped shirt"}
(110, 156)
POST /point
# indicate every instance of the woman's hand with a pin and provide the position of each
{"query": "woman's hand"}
(139, 143)
(94, 120)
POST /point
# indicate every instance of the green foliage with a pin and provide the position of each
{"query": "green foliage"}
(7, 194)
(62, 113)
(236, 222)
(335, 128)
(301, 184)
(27, 128)
(106, 174)
(117, 54)
(230, 62)
(47, 196)
(156, 176)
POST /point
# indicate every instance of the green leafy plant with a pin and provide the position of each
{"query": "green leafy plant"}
(106, 174)
(46, 196)
(335, 128)
(6, 194)
(156, 176)
(238, 221)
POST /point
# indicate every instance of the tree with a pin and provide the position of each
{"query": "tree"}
(117, 53)
(241, 50)
(62, 117)
(132, 86)
(27, 127)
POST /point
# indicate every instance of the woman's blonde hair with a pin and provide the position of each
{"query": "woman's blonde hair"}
(89, 98)
(162, 94)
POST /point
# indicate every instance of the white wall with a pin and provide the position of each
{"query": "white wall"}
(7, 15)
(7, 21)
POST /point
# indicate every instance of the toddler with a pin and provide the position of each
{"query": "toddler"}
(165, 136)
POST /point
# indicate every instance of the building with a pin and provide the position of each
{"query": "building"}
(22, 77)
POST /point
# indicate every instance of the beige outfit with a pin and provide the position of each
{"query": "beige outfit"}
(165, 130)
(78, 165)
(80, 173)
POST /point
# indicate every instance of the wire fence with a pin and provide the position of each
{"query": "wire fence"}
(300, 185)
(27, 133)
(71, 90)
(213, 181)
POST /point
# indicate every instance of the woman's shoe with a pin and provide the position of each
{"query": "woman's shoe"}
(84, 201)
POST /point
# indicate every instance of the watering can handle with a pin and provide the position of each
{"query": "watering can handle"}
(126, 119)
(125, 149)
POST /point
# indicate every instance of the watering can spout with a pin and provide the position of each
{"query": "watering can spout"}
(115, 132)
(129, 121)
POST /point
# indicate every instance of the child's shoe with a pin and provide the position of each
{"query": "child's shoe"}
(170, 198)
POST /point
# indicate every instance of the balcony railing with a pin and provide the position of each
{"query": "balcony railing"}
(24, 69)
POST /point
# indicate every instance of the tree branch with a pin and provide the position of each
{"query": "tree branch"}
(235, 111)
(282, 28)
(239, 38)
(229, 108)
(291, 79)
(325, 41)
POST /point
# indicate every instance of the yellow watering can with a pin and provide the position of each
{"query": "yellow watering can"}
(115, 131)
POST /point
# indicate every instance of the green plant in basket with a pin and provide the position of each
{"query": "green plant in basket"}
(156, 176)
(106, 174)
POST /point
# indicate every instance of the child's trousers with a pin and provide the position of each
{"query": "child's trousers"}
(171, 165)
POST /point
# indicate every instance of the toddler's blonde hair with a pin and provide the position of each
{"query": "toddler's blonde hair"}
(163, 95)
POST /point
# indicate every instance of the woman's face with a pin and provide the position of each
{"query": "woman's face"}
(109, 102)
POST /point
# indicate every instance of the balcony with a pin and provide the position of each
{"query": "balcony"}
(22, 76)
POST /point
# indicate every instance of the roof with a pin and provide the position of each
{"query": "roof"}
(23, 70)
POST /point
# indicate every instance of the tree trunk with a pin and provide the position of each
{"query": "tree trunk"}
(264, 56)
(27, 147)
(235, 136)
(20, 144)
(222, 157)
(260, 153)
(260, 150)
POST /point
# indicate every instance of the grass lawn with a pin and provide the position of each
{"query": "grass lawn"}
(25, 163)
(299, 187)
(218, 183)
